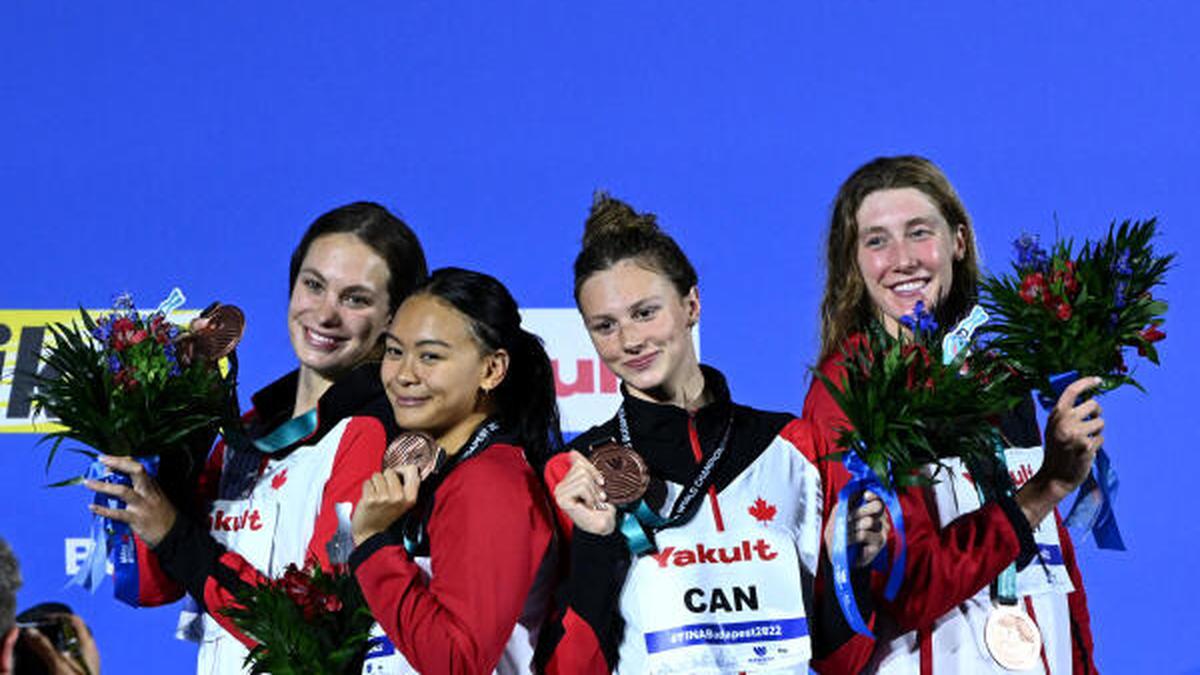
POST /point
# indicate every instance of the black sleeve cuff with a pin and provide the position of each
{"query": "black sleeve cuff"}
(598, 568)
(830, 630)
(188, 554)
(373, 543)
(1021, 526)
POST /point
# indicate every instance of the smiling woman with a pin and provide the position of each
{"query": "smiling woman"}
(457, 563)
(311, 440)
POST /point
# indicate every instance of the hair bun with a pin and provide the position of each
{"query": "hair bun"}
(610, 215)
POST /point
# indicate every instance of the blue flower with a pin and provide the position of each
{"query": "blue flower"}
(123, 301)
(1119, 298)
(1121, 267)
(114, 363)
(1029, 253)
(919, 321)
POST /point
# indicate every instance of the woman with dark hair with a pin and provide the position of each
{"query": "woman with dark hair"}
(272, 497)
(454, 551)
(694, 522)
(899, 234)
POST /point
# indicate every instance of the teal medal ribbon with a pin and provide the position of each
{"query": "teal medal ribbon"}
(288, 433)
(639, 522)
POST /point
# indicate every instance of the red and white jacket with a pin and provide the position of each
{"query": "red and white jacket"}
(472, 598)
(279, 510)
(955, 550)
(738, 587)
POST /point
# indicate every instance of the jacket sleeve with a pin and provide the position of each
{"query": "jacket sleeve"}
(836, 647)
(1083, 656)
(155, 586)
(944, 565)
(489, 533)
(584, 632)
(214, 575)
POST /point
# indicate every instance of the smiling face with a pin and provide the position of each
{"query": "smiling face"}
(339, 304)
(641, 329)
(906, 252)
(435, 372)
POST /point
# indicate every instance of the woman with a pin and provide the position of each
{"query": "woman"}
(455, 557)
(900, 235)
(727, 582)
(314, 436)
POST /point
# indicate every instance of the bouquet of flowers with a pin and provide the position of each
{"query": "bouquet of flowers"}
(136, 384)
(909, 401)
(306, 621)
(1059, 312)
(1060, 316)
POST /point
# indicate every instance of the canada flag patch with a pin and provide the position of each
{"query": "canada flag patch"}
(762, 511)
(279, 479)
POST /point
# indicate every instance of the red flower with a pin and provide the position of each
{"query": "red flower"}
(125, 379)
(1065, 274)
(1061, 309)
(1149, 335)
(125, 333)
(1033, 287)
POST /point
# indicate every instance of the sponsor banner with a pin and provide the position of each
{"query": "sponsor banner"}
(23, 337)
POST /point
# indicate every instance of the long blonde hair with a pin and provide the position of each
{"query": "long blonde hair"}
(846, 308)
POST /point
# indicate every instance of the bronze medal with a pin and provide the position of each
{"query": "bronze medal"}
(218, 331)
(413, 448)
(1012, 638)
(624, 471)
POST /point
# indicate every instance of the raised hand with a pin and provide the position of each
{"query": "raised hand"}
(581, 496)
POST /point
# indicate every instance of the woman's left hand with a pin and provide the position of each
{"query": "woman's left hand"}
(867, 525)
(147, 510)
(386, 496)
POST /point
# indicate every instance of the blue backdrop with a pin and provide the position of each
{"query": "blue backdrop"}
(158, 145)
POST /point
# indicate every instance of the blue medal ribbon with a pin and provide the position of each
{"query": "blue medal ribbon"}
(1093, 508)
(842, 556)
(112, 541)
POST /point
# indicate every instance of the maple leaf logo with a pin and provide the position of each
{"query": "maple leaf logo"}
(279, 479)
(762, 511)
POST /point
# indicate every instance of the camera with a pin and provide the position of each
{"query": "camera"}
(51, 619)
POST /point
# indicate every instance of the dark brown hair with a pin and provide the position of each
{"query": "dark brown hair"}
(615, 232)
(386, 234)
(846, 308)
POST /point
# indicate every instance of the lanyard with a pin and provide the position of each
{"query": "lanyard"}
(642, 521)
(1004, 588)
(415, 537)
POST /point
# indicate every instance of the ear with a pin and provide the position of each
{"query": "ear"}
(960, 241)
(691, 305)
(8, 644)
(495, 368)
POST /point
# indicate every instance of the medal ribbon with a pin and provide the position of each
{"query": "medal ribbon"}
(842, 556)
(640, 522)
(1093, 507)
(480, 439)
(1004, 588)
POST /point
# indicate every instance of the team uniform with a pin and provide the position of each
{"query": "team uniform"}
(735, 587)
(472, 593)
(957, 547)
(268, 510)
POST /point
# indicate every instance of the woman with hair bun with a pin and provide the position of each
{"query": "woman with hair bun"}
(694, 522)
(454, 548)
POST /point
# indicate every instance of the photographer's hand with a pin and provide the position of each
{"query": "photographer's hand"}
(65, 663)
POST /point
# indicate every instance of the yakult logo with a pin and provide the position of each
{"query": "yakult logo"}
(588, 392)
(718, 555)
(223, 521)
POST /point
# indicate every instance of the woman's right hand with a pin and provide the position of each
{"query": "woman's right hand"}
(386, 496)
(580, 495)
(1073, 436)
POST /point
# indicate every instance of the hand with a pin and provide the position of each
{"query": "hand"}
(581, 496)
(64, 663)
(147, 510)
(1073, 435)
(385, 497)
(868, 525)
